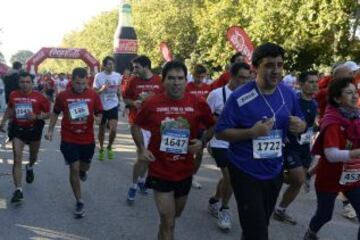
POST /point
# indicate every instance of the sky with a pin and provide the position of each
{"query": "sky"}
(33, 24)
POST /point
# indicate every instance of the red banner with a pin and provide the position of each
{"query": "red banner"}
(240, 41)
(166, 52)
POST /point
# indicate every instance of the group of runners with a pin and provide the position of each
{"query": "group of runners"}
(258, 130)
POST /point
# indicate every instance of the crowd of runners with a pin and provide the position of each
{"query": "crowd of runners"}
(260, 131)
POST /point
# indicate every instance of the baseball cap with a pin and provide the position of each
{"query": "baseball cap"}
(352, 66)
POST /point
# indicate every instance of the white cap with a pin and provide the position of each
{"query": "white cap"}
(352, 66)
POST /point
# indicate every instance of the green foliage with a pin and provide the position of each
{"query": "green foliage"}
(315, 33)
(21, 56)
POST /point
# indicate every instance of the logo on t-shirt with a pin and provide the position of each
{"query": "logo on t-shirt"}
(247, 97)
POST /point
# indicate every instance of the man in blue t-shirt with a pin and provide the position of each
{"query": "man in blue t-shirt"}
(297, 157)
(255, 121)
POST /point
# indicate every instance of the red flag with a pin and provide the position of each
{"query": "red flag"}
(166, 52)
(240, 41)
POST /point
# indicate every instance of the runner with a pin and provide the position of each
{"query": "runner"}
(107, 85)
(240, 74)
(173, 118)
(27, 109)
(61, 83)
(199, 89)
(137, 90)
(79, 105)
(338, 144)
(255, 120)
(297, 157)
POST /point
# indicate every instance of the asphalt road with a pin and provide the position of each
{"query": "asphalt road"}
(46, 213)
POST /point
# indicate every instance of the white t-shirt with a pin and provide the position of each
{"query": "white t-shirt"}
(216, 103)
(61, 84)
(290, 81)
(109, 98)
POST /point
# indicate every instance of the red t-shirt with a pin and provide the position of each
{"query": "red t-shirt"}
(201, 90)
(166, 118)
(24, 103)
(77, 125)
(137, 88)
(328, 174)
(221, 81)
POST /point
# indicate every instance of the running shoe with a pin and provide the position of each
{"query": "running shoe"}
(214, 209)
(349, 212)
(110, 154)
(79, 210)
(309, 235)
(282, 216)
(224, 220)
(29, 174)
(83, 175)
(131, 195)
(142, 188)
(101, 155)
(196, 184)
(17, 196)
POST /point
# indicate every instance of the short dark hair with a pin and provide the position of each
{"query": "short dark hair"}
(24, 74)
(266, 50)
(143, 60)
(173, 65)
(199, 69)
(79, 72)
(303, 77)
(335, 89)
(234, 68)
(107, 59)
(235, 56)
(17, 65)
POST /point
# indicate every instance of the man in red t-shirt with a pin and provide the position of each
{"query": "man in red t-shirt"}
(141, 86)
(225, 77)
(27, 109)
(79, 106)
(173, 118)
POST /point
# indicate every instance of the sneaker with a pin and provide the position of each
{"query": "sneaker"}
(110, 154)
(29, 174)
(214, 208)
(310, 235)
(282, 216)
(17, 196)
(142, 188)
(131, 195)
(349, 212)
(101, 155)
(79, 210)
(196, 184)
(83, 175)
(224, 221)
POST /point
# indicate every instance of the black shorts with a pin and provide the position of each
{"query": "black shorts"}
(221, 156)
(297, 158)
(109, 114)
(181, 188)
(73, 152)
(26, 134)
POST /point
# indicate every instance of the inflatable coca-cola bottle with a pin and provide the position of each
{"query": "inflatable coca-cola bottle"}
(125, 40)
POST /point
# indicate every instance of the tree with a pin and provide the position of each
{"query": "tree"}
(21, 56)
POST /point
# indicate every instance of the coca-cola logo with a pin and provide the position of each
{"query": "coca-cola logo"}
(90, 58)
(38, 57)
(126, 46)
(240, 41)
(65, 53)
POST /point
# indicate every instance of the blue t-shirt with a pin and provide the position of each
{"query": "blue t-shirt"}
(243, 109)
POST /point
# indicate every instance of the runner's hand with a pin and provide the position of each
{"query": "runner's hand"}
(263, 127)
(296, 125)
(31, 116)
(49, 135)
(137, 104)
(195, 146)
(146, 156)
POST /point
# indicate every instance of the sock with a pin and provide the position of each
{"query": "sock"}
(281, 209)
(224, 207)
(19, 188)
(80, 201)
(141, 179)
(29, 167)
(212, 200)
(134, 186)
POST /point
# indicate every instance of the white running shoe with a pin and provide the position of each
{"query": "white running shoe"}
(224, 220)
(214, 208)
(349, 211)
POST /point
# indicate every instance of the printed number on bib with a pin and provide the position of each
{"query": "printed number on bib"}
(350, 173)
(78, 110)
(305, 138)
(22, 110)
(269, 146)
(175, 141)
(108, 97)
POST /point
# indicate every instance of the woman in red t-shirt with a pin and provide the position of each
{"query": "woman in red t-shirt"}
(338, 145)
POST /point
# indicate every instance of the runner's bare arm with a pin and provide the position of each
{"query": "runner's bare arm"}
(143, 153)
(132, 103)
(208, 134)
(53, 119)
(260, 128)
(7, 115)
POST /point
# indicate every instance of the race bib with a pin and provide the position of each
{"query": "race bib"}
(78, 110)
(269, 146)
(305, 138)
(175, 141)
(350, 173)
(22, 110)
(109, 97)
